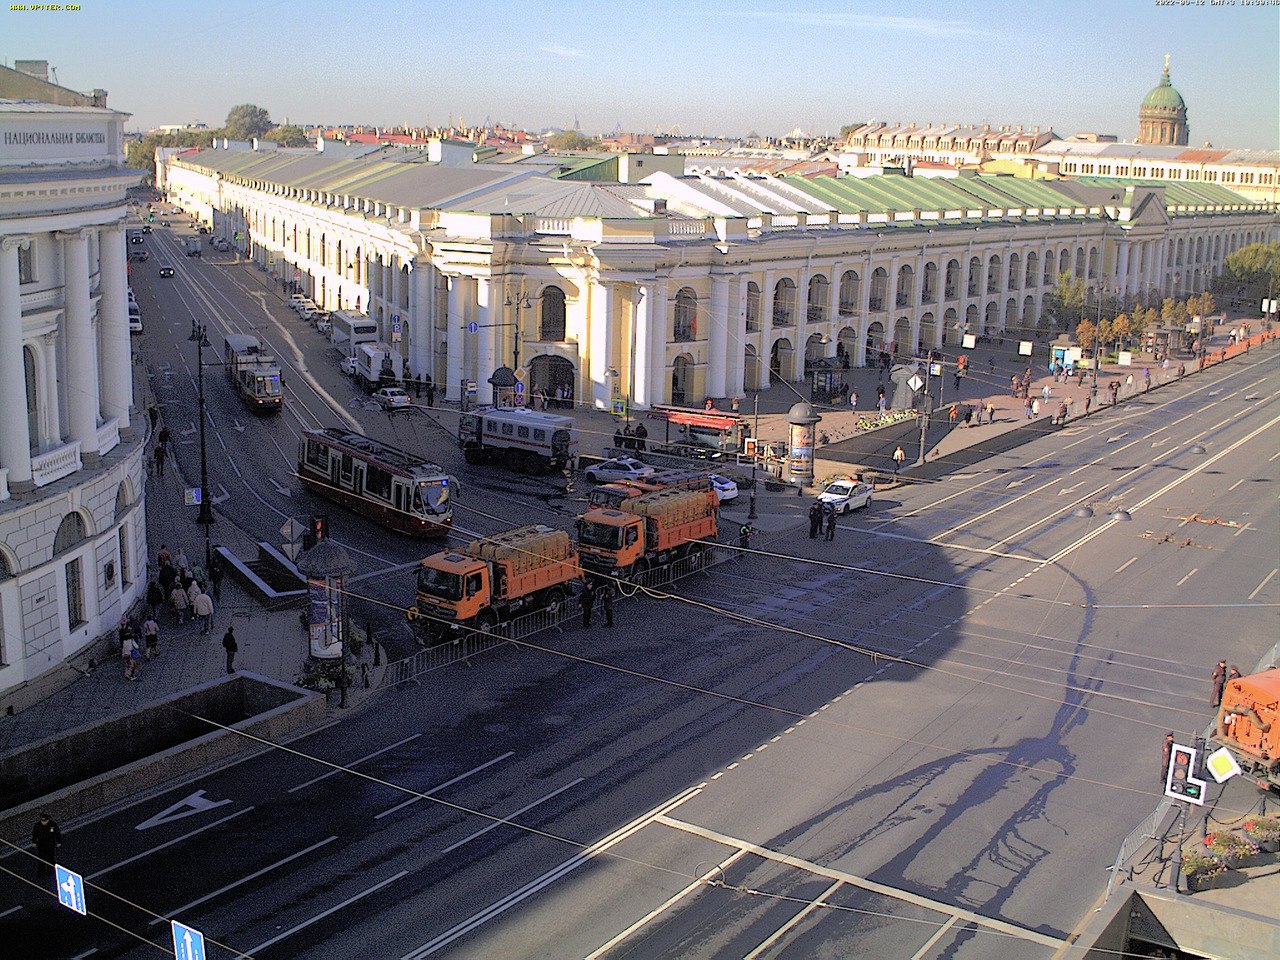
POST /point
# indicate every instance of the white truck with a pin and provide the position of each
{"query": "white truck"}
(378, 364)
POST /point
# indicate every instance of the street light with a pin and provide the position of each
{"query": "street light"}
(205, 516)
(755, 454)
(522, 303)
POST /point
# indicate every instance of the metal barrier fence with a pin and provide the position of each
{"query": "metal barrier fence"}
(1149, 829)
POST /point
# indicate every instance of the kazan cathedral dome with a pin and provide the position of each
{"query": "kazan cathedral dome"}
(1162, 118)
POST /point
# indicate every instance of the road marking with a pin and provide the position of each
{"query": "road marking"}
(186, 807)
(511, 816)
(978, 919)
(1118, 436)
(670, 902)
(88, 953)
(1236, 484)
(167, 843)
(231, 886)
(1189, 576)
(337, 770)
(791, 924)
(1265, 581)
(1243, 528)
(987, 513)
(504, 904)
(6, 913)
(1124, 566)
(448, 783)
(928, 944)
(320, 916)
(1045, 519)
(1071, 489)
(949, 546)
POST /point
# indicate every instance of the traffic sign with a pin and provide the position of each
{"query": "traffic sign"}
(471, 388)
(70, 889)
(192, 496)
(935, 369)
(519, 388)
(915, 383)
(1180, 783)
(292, 529)
(188, 942)
(1222, 765)
(472, 327)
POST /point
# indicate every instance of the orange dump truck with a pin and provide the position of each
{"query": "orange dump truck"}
(1249, 725)
(644, 532)
(496, 578)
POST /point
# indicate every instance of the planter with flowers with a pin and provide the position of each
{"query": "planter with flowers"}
(1202, 870)
(1264, 831)
(1230, 848)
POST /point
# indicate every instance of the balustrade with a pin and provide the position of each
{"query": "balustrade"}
(53, 465)
(108, 436)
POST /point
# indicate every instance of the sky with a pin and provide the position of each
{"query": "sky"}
(696, 66)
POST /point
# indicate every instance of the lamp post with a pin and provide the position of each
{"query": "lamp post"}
(1102, 290)
(520, 303)
(755, 456)
(205, 516)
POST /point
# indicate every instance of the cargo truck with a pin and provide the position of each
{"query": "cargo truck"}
(193, 247)
(527, 441)
(254, 374)
(1249, 725)
(377, 365)
(645, 532)
(494, 579)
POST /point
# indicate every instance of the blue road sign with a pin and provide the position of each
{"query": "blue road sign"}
(188, 942)
(70, 889)
(472, 327)
(519, 387)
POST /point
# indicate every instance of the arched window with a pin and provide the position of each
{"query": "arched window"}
(33, 409)
(686, 316)
(70, 533)
(5, 571)
(850, 291)
(784, 302)
(753, 307)
(552, 327)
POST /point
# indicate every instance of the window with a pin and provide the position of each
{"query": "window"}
(523, 433)
(686, 321)
(540, 436)
(753, 308)
(125, 576)
(490, 427)
(26, 264)
(33, 410)
(75, 594)
(377, 483)
(318, 456)
(507, 430)
(553, 325)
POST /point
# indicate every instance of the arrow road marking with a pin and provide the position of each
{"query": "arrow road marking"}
(1118, 436)
(187, 433)
(218, 501)
(1159, 443)
(283, 491)
(1071, 489)
(187, 806)
(1018, 483)
(238, 426)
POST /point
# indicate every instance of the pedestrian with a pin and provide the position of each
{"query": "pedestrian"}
(1219, 681)
(1182, 370)
(744, 539)
(606, 596)
(181, 562)
(431, 391)
(1026, 409)
(1062, 414)
(1035, 409)
(1088, 402)
(46, 837)
(151, 637)
(1146, 378)
(164, 556)
(642, 434)
(899, 457)
(155, 597)
(203, 608)
(215, 573)
(1168, 755)
(953, 415)
(163, 437)
(417, 385)
(193, 590)
(159, 460)
(968, 416)
(229, 644)
(1233, 673)
(736, 404)
(1128, 383)
(588, 600)
(178, 597)
(991, 412)
(154, 414)
(131, 655)
(1046, 393)
(815, 519)
(831, 521)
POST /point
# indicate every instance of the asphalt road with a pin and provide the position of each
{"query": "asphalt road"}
(925, 739)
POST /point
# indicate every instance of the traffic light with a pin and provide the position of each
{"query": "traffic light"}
(1181, 782)
(320, 527)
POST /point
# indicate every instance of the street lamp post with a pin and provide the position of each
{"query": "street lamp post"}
(755, 455)
(205, 516)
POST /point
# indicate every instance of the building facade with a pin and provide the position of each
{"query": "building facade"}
(684, 287)
(72, 524)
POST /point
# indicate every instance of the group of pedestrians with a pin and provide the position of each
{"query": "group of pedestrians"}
(190, 593)
(592, 589)
(628, 439)
(424, 383)
(822, 516)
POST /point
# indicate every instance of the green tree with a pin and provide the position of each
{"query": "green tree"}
(288, 136)
(141, 154)
(571, 140)
(848, 128)
(1066, 302)
(1086, 333)
(246, 121)
(1252, 272)
(1105, 335)
(1122, 326)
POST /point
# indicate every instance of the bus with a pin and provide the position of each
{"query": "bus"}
(529, 441)
(388, 485)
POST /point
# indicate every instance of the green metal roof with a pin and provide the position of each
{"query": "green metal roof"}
(1164, 96)
(899, 193)
(1177, 193)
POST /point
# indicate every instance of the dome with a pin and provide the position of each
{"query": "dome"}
(1164, 97)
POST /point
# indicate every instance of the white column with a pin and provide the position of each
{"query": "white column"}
(718, 337)
(422, 341)
(641, 345)
(454, 333)
(485, 338)
(82, 393)
(396, 278)
(659, 335)
(766, 329)
(113, 321)
(604, 336)
(736, 344)
(1122, 269)
(15, 438)
(51, 428)
(833, 302)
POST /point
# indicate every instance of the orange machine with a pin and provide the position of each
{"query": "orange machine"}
(495, 578)
(645, 531)
(1249, 725)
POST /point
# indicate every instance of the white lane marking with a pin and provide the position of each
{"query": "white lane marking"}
(949, 546)
(1265, 580)
(987, 513)
(1243, 528)
(167, 843)
(551, 876)
(928, 944)
(1049, 516)
(662, 908)
(88, 953)
(1236, 484)
(6, 913)
(1118, 436)
(186, 807)
(337, 770)
(1187, 577)
(1124, 566)
(320, 916)
(1071, 489)
(511, 816)
(448, 783)
(231, 886)
(791, 924)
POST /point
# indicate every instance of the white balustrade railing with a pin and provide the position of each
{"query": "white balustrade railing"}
(553, 225)
(53, 465)
(686, 228)
(4, 483)
(108, 436)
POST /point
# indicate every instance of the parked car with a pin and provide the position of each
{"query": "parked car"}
(139, 256)
(847, 494)
(296, 300)
(348, 365)
(392, 398)
(619, 468)
(166, 270)
(725, 488)
(221, 245)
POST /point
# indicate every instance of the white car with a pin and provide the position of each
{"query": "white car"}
(847, 494)
(725, 488)
(619, 468)
(349, 366)
(392, 398)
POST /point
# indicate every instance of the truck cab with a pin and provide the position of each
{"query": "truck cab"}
(610, 541)
(455, 586)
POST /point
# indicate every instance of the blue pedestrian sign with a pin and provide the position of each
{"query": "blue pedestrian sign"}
(188, 942)
(519, 387)
(70, 889)
(472, 327)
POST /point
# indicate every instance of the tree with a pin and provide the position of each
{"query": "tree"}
(1252, 272)
(1066, 302)
(141, 154)
(1086, 333)
(848, 128)
(1122, 326)
(246, 121)
(288, 136)
(1105, 336)
(571, 140)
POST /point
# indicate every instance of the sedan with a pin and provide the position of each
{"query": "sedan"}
(392, 398)
(166, 270)
(146, 228)
(136, 238)
(846, 494)
(619, 468)
(725, 488)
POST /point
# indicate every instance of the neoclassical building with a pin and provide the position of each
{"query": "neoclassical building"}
(1162, 118)
(682, 287)
(72, 524)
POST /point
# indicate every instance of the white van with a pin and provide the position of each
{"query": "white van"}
(352, 329)
(135, 318)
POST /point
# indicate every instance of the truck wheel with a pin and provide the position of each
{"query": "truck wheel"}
(486, 621)
(554, 599)
(471, 455)
(639, 568)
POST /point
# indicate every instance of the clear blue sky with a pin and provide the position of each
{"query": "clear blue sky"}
(714, 66)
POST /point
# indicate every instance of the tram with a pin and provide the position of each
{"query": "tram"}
(388, 485)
